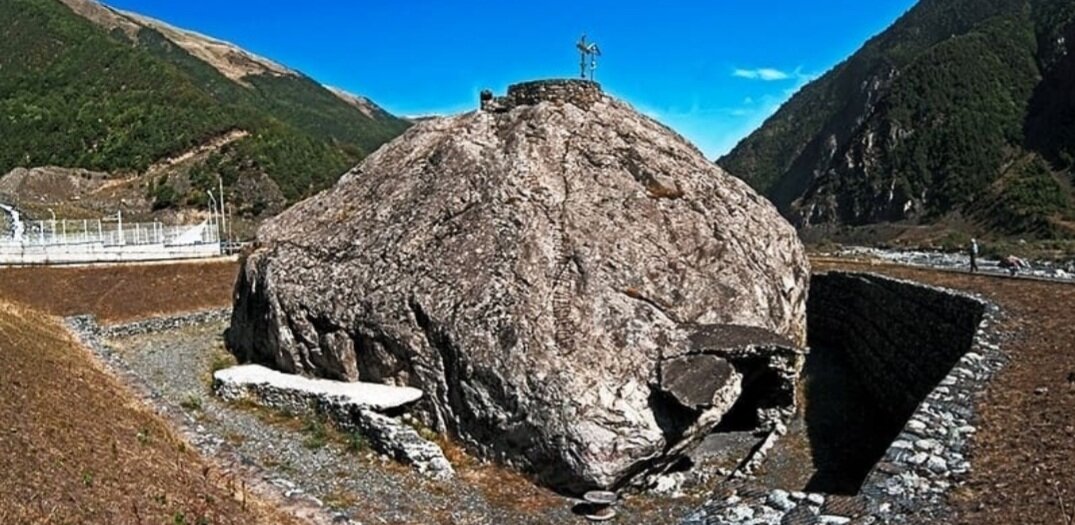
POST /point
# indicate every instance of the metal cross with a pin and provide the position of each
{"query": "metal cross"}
(588, 52)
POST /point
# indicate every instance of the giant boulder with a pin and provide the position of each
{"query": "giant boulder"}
(538, 268)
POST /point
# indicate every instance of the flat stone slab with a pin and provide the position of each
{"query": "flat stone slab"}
(239, 381)
(351, 406)
(600, 497)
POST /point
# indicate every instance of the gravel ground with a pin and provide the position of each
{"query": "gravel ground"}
(361, 486)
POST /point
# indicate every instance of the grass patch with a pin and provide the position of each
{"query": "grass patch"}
(316, 434)
(317, 431)
(340, 499)
(425, 432)
(234, 438)
(221, 360)
(192, 402)
(357, 443)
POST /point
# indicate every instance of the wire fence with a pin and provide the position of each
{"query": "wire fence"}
(112, 232)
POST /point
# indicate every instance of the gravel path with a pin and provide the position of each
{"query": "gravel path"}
(360, 486)
(960, 262)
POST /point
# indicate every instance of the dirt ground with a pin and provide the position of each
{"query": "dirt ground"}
(76, 448)
(1024, 452)
(124, 465)
(121, 293)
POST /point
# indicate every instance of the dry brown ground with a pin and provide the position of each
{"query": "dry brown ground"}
(122, 292)
(1024, 451)
(75, 447)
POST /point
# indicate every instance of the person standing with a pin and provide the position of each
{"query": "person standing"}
(974, 255)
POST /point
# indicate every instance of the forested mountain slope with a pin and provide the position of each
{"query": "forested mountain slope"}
(961, 111)
(85, 86)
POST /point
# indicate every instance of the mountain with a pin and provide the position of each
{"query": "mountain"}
(164, 110)
(958, 115)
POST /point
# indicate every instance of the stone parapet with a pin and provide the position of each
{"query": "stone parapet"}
(581, 93)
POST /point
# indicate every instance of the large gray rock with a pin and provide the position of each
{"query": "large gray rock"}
(530, 268)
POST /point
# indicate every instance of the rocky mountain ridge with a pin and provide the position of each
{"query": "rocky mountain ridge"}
(229, 59)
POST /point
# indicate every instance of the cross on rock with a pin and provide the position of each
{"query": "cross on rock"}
(588, 51)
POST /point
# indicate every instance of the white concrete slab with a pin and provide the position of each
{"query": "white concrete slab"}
(374, 396)
(21, 254)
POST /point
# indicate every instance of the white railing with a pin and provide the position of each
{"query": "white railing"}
(63, 232)
(60, 241)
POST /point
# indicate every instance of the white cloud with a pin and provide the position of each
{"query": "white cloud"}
(766, 73)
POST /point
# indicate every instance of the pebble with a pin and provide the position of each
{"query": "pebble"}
(780, 500)
(928, 445)
(832, 520)
(740, 513)
(937, 465)
(906, 445)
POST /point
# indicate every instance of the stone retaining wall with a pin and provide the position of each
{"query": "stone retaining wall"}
(158, 324)
(926, 353)
(900, 338)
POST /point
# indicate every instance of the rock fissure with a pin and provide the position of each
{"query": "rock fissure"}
(663, 309)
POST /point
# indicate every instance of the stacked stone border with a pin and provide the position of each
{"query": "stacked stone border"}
(158, 324)
(912, 481)
(256, 481)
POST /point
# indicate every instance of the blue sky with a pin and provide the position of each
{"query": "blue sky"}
(712, 70)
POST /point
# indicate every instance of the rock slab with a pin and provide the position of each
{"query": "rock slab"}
(245, 380)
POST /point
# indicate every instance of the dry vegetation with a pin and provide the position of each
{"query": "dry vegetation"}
(76, 448)
(123, 292)
(1024, 451)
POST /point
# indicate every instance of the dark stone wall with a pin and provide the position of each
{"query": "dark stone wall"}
(581, 93)
(926, 353)
(902, 338)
